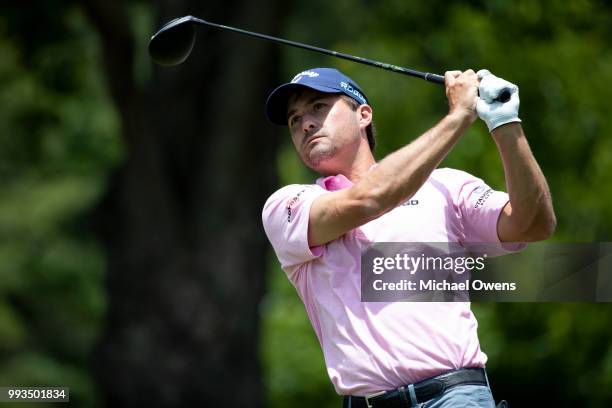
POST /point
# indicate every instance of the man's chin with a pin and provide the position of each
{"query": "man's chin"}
(321, 163)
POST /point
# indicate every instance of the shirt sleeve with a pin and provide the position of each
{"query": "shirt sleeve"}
(285, 220)
(479, 207)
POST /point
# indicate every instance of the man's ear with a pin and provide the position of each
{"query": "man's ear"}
(365, 115)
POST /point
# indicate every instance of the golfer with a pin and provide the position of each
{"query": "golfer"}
(396, 354)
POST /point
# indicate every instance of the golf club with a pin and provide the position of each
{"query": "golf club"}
(173, 43)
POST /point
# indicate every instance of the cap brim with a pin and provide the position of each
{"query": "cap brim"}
(276, 105)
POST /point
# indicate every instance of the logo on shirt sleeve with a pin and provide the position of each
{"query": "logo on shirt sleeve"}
(291, 204)
(485, 192)
(480, 189)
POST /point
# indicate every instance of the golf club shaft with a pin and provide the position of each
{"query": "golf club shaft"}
(438, 79)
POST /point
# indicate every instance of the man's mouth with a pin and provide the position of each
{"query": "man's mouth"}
(311, 138)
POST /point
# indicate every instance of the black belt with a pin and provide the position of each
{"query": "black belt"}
(424, 390)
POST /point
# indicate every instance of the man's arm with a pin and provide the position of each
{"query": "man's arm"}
(529, 216)
(399, 175)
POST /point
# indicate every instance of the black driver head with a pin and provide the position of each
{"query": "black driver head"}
(173, 43)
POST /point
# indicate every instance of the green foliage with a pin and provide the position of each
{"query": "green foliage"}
(559, 54)
(59, 139)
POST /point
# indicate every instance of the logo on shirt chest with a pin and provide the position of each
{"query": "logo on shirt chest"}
(411, 202)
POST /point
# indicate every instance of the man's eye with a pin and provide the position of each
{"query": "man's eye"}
(319, 106)
(294, 120)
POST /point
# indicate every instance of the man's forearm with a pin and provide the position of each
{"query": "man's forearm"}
(532, 216)
(399, 175)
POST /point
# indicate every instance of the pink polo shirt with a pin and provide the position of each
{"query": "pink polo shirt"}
(369, 347)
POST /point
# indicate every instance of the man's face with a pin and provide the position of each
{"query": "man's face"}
(322, 126)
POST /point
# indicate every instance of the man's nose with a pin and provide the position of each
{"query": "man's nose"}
(308, 124)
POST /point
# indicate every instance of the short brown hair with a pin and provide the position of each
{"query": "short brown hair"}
(370, 130)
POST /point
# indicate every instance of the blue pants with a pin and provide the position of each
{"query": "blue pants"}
(466, 396)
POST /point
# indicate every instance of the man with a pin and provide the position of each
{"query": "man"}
(400, 353)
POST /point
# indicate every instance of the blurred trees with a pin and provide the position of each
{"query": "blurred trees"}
(180, 220)
(58, 138)
(179, 166)
(150, 180)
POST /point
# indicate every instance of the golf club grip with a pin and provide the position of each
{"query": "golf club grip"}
(438, 79)
(503, 97)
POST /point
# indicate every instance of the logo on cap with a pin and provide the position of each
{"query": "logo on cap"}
(299, 76)
(352, 90)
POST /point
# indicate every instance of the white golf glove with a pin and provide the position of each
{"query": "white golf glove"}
(495, 113)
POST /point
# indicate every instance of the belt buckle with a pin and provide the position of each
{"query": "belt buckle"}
(367, 397)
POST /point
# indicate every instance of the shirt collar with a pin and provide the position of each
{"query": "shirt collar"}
(337, 182)
(333, 183)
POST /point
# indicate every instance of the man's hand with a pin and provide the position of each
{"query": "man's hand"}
(462, 92)
(495, 113)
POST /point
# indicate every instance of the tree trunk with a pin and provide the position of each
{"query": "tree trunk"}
(181, 221)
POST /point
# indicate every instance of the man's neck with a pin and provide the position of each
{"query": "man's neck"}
(359, 169)
(356, 168)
